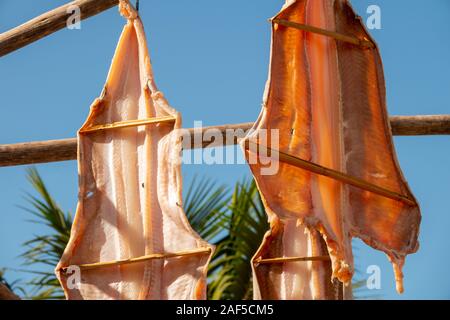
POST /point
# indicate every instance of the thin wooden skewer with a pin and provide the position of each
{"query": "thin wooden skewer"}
(291, 259)
(334, 174)
(187, 253)
(127, 124)
(328, 33)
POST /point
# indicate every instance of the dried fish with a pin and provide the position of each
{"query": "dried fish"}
(130, 190)
(327, 99)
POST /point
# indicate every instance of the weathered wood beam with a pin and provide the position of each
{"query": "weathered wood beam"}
(49, 23)
(420, 125)
(66, 149)
(38, 152)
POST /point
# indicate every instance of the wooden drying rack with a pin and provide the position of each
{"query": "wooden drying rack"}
(66, 149)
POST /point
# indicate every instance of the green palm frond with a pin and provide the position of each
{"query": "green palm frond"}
(236, 224)
(45, 250)
(205, 206)
(230, 269)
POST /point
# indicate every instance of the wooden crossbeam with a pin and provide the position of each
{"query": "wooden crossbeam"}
(66, 149)
(49, 23)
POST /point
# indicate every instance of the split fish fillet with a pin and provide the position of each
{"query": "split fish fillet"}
(327, 99)
(130, 202)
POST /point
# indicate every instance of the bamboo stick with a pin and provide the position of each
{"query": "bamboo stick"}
(291, 259)
(127, 124)
(49, 23)
(328, 33)
(333, 174)
(187, 253)
(66, 149)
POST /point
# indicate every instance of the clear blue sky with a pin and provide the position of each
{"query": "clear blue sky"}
(210, 59)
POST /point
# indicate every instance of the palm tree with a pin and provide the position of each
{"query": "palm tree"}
(230, 269)
(235, 222)
(45, 250)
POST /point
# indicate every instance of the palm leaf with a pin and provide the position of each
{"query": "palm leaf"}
(230, 269)
(236, 224)
(205, 205)
(45, 250)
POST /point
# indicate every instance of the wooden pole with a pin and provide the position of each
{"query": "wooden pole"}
(420, 125)
(66, 149)
(49, 23)
(38, 152)
(6, 294)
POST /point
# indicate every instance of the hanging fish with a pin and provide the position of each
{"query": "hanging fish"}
(338, 174)
(130, 237)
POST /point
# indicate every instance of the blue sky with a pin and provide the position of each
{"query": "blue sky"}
(210, 58)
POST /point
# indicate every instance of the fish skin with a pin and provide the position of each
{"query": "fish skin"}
(327, 99)
(130, 190)
(293, 280)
